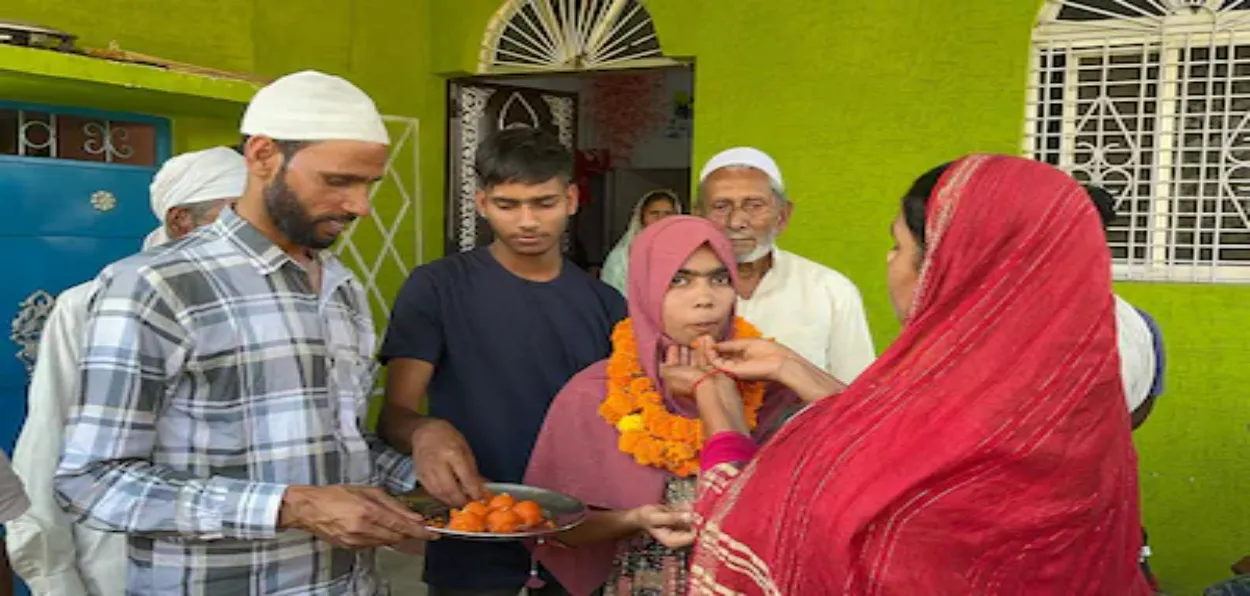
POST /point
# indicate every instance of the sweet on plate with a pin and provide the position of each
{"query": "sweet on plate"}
(497, 514)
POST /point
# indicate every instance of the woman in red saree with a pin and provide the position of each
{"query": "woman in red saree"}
(986, 452)
(617, 440)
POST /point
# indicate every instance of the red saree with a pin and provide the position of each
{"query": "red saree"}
(986, 452)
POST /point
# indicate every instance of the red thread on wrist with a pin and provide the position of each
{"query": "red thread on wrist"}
(709, 374)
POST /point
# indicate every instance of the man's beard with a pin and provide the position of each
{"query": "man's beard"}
(293, 220)
(761, 250)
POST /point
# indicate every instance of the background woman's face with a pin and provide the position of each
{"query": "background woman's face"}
(902, 268)
(657, 210)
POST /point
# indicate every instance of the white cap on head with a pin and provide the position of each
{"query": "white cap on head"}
(314, 106)
(195, 177)
(748, 157)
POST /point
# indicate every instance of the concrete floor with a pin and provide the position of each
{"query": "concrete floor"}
(403, 572)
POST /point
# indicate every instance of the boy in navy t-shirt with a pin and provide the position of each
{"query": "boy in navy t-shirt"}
(490, 336)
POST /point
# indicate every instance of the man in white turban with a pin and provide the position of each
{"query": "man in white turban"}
(227, 377)
(190, 190)
(806, 306)
(50, 552)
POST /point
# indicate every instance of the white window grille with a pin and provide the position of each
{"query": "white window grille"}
(1151, 100)
(570, 35)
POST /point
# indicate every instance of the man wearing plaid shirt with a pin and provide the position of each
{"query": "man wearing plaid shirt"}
(225, 375)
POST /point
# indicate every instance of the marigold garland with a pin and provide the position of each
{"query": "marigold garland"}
(648, 431)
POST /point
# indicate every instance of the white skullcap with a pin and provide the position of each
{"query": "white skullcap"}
(314, 106)
(211, 174)
(749, 157)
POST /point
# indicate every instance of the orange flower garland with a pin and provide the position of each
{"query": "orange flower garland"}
(648, 431)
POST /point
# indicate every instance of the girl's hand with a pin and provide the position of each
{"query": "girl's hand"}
(683, 367)
(672, 526)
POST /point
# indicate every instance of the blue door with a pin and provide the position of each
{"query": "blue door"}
(74, 185)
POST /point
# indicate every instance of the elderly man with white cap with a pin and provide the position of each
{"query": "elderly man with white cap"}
(52, 554)
(224, 378)
(806, 306)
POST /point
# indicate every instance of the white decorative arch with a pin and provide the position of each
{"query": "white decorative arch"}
(1151, 100)
(570, 35)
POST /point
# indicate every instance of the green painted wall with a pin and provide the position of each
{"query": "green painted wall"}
(855, 99)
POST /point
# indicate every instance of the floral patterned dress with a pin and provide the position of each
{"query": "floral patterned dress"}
(644, 567)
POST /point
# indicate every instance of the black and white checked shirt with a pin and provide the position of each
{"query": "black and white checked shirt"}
(212, 378)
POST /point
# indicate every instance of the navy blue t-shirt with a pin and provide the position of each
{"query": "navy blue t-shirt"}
(502, 347)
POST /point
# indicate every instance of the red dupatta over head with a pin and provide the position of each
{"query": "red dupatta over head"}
(986, 452)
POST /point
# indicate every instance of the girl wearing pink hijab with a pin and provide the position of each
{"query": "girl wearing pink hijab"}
(616, 437)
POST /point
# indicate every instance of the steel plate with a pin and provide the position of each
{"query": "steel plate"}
(565, 511)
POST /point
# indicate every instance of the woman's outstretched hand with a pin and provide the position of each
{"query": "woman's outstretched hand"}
(748, 359)
(764, 360)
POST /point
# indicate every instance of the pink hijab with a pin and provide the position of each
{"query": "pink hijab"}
(655, 256)
(577, 452)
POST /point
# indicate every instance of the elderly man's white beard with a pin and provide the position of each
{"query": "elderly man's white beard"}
(761, 250)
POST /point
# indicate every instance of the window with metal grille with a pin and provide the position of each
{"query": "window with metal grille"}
(76, 135)
(1150, 99)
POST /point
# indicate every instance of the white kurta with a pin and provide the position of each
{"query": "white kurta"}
(13, 501)
(814, 311)
(1137, 353)
(52, 554)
